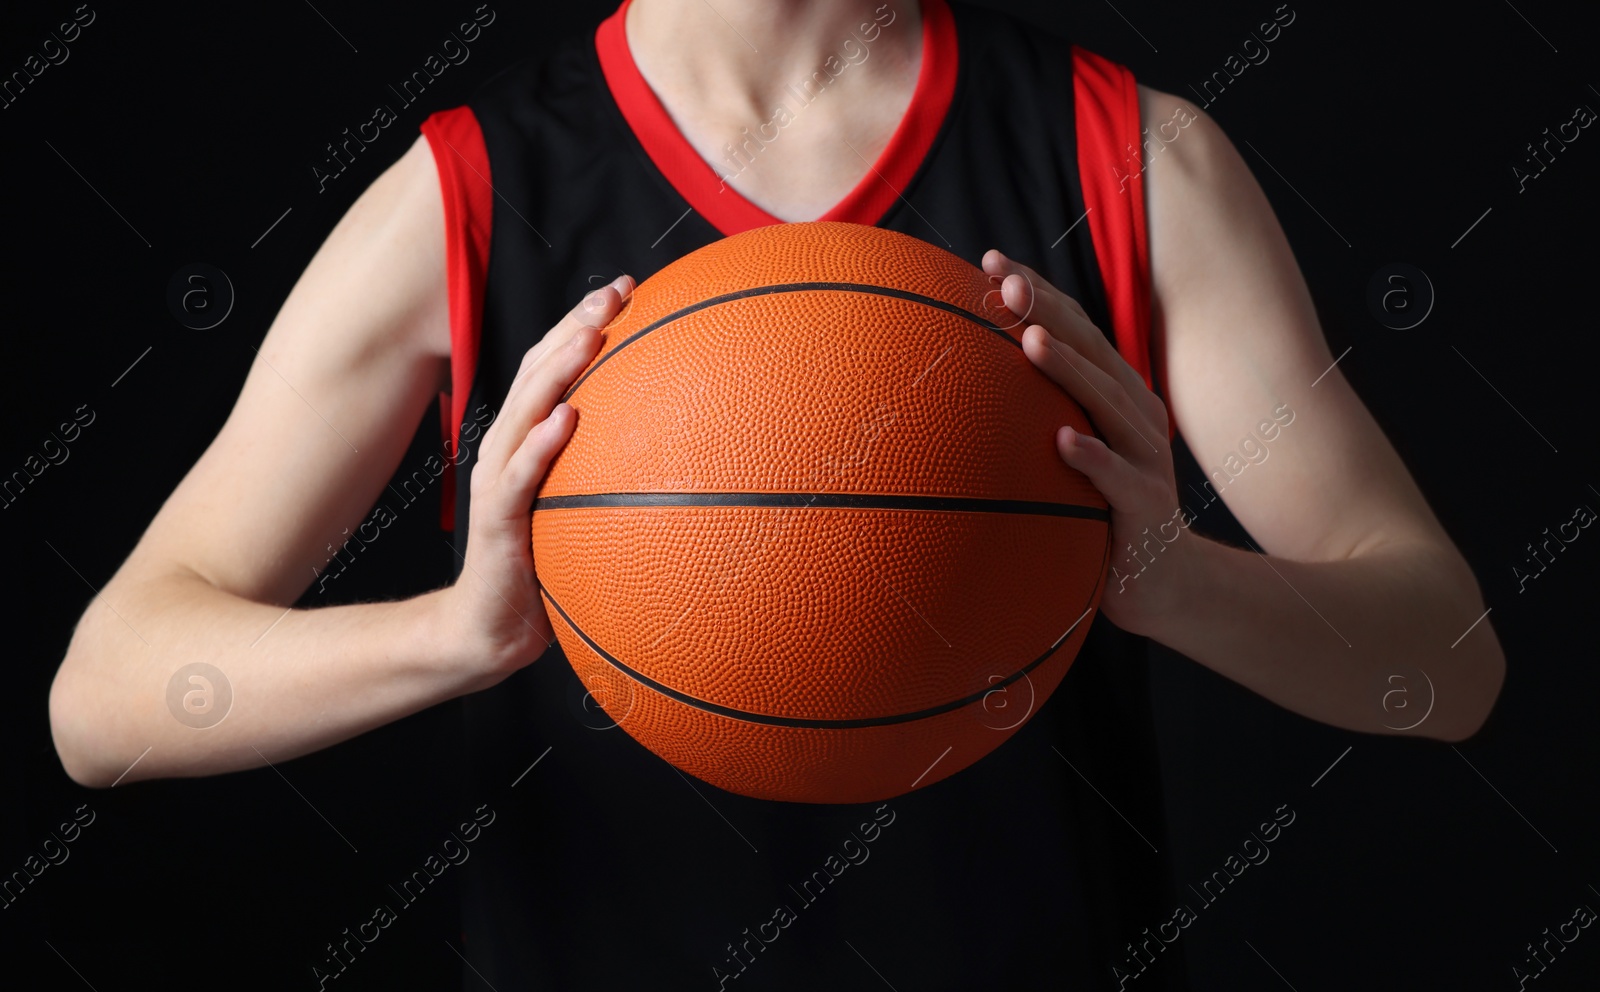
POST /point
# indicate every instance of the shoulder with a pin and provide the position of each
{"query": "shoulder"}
(1223, 277)
(386, 251)
(1182, 142)
(1205, 207)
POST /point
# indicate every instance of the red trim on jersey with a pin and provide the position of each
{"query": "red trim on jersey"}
(463, 164)
(1111, 170)
(721, 205)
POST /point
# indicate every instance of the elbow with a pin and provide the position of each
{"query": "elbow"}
(1472, 671)
(71, 729)
(84, 773)
(100, 703)
(1477, 690)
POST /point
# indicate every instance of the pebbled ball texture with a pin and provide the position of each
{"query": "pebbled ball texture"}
(790, 589)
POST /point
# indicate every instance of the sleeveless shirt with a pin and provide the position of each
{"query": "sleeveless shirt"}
(1036, 867)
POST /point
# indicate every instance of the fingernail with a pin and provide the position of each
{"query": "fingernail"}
(621, 283)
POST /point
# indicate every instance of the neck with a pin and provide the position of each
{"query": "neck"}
(741, 58)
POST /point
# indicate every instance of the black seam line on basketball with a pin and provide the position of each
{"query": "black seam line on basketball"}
(793, 287)
(786, 721)
(806, 501)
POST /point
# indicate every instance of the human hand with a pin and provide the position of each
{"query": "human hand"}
(495, 604)
(1130, 463)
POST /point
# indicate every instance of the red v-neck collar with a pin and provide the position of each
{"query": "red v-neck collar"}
(723, 206)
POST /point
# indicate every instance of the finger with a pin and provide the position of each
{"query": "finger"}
(624, 285)
(1024, 292)
(525, 470)
(1103, 398)
(1118, 480)
(1036, 300)
(1019, 315)
(596, 309)
(1019, 297)
(538, 393)
(546, 372)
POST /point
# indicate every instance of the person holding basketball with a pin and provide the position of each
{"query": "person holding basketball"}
(1155, 287)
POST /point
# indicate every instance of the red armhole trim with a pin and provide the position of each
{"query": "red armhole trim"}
(1106, 103)
(725, 208)
(464, 180)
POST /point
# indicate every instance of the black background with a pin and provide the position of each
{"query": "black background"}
(181, 135)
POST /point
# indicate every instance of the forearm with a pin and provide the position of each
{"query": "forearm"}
(1370, 643)
(300, 680)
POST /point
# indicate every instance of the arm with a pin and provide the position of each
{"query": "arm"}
(358, 352)
(1356, 581)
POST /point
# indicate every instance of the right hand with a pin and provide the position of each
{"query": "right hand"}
(495, 603)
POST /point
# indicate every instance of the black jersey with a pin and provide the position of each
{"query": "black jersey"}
(607, 868)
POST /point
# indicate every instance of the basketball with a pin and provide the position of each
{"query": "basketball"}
(811, 539)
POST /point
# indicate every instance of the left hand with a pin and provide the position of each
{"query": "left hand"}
(1132, 467)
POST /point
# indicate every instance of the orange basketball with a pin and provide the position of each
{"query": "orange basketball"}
(811, 539)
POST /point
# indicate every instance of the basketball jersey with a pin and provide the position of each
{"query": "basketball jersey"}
(607, 868)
